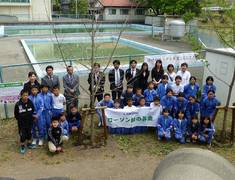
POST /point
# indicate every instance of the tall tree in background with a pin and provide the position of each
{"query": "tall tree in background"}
(78, 7)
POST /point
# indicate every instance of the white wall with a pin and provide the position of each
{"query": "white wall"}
(118, 17)
(222, 64)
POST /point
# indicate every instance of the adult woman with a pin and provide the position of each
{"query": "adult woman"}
(171, 74)
(32, 81)
(157, 73)
(143, 77)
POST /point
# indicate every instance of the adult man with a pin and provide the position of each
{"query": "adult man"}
(132, 75)
(99, 80)
(50, 80)
(116, 76)
(71, 88)
(184, 74)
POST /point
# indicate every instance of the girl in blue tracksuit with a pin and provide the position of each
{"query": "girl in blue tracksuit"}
(180, 127)
(180, 104)
(137, 96)
(193, 129)
(64, 125)
(192, 108)
(209, 104)
(192, 88)
(39, 124)
(163, 86)
(48, 105)
(150, 93)
(164, 125)
(168, 101)
(208, 86)
(207, 131)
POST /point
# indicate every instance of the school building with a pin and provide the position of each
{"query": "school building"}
(25, 10)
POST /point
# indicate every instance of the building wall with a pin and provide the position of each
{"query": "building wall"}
(222, 64)
(33, 11)
(118, 17)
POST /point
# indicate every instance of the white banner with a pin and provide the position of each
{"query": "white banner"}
(10, 92)
(175, 59)
(128, 118)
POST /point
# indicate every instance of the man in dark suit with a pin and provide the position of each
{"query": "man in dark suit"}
(71, 88)
(50, 80)
(132, 75)
(116, 76)
(99, 80)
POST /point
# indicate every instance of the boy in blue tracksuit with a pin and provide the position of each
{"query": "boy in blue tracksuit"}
(180, 127)
(150, 93)
(208, 86)
(127, 94)
(46, 96)
(106, 101)
(168, 101)
(193, 129)
(192, 108)
(164, 126)
(207, 131)
(74, 120)
(163, 86)
(64, 125)
(180, 104)
(192, 88)
(136, 97)
(39, 124)
(209, 104)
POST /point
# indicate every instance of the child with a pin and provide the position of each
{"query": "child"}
(137, 96)
(192, 88)
(142, 102)
(150, 93)
(39, 124)
(46, 96)
(55, 136)
(192, 108)
(177, 87)
(168, 101)
(208, 86)
(193, 129)
(74, 118)
(23, 113)
(58, 102)
(163, 86)
(65, 126)
(130, 104)
(108, 102)
(180, 104)
(207, 131)
(180, 127)
(117, 104)
(156, 104)
(126, 95)
(164, 126)
(209, 104)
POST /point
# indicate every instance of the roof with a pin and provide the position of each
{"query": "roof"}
(117, 3)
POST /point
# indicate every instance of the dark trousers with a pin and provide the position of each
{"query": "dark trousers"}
(99, 97)
(116, 94)
(25, 134)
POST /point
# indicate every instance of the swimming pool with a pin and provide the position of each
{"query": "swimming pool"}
(78, 50)
(17, 30)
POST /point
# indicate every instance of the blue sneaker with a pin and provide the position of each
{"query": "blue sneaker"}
(22, 149)
(31, 146)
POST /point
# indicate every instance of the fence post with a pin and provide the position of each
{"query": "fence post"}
(5, 104)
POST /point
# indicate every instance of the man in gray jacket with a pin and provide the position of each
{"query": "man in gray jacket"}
(50, 79)
(71, 88)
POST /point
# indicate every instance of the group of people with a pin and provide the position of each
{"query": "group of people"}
(185, 112)
(40, 112)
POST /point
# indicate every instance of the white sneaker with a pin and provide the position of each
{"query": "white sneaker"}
(34, 142)
(40, 143)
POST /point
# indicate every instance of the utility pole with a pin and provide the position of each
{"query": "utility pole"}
(76, 6)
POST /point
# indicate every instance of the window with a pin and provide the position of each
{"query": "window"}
(112, 11)
(140, 12)
(124, 11)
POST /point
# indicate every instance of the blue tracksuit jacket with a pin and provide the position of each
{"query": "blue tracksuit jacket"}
(161, 89)
(40, 124)
(206, 130)
(180, 105)
(192, 110)
(124, 98)
(164, 125)
(149, 96)
(180, 129)
(65, 128)
(191, 90)
(108, 104)
(74, 120)
(208, 107)
(206, 88)
(168, 102)
(136, 99)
